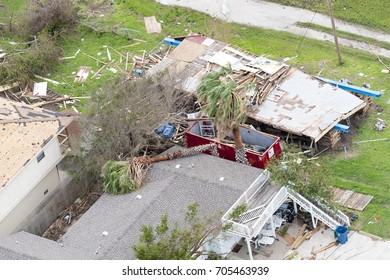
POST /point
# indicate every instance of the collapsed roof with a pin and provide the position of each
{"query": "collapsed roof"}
(284, 97)
(24, 130)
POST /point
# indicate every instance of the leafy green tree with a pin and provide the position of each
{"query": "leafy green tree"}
(223, 102)
(183, 241)
(303, 175)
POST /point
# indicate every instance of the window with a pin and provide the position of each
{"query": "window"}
(40, 156)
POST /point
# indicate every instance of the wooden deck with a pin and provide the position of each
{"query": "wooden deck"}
(351, 199)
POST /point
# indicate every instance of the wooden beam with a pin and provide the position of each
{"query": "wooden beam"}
(330, 245)
(311, 233)
(300, 232)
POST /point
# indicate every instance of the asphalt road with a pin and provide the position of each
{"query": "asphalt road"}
(273, 16)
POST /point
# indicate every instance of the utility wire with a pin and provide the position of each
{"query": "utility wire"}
(307, 28)
(372, 50)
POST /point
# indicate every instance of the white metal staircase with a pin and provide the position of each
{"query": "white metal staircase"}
(251, 214)
(332, 220)
(252, 221)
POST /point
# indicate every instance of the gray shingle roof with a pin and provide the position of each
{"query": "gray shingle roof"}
(168, 190)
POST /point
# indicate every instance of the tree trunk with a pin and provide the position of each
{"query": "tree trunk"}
(239, 146)
(182, 153)
(237, 137)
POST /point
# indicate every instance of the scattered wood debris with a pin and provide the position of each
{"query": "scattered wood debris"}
(82, 74)
(291, 256)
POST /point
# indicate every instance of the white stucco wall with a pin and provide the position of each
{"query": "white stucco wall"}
(29, 186)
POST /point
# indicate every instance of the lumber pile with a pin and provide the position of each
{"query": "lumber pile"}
(264, 83)
(368, 101)
(287, 237)
(267, 84)
(141, 64)
(331, 138)
(303, 235)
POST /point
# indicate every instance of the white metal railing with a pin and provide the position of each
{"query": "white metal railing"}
(248, 195)
(251, 214)
(317, 212)
(245, 198)
(274, 205)
(344, 218)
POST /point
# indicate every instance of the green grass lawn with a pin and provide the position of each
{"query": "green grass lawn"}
(371, 13)
(345, 35)
(365, 168)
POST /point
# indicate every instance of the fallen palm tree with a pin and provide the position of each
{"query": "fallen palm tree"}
(127, 176)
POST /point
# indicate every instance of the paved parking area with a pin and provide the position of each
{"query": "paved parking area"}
(358, 247)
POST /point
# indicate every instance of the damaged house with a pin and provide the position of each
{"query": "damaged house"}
(282, 100)
(33, 142)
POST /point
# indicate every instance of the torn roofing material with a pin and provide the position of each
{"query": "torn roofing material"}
(285, 98)
(24, 130)
(305, 106)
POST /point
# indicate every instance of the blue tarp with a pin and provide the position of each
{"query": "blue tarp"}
(166, 130)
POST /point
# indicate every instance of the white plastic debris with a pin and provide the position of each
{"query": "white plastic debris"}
(113, 70)
(138, 196)
(380, 125)
(221, 178)
(177, 166)
(104, 233)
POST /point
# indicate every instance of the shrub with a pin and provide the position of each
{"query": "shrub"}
(52, 15)
(23, 64)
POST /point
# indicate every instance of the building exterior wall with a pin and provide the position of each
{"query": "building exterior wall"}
(29, 187)
(40, 219)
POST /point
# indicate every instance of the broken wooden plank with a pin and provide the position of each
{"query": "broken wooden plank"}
(94, 58)
(139, 40)
(311, 233)
(330, 245)
(291, 256)
(287, 237)
(8, 86)
(101, 69)
(48, 80)
(151, 25)
(298, 241)
(108, 54)
(82, 74)
(301, 231)
(40, 104)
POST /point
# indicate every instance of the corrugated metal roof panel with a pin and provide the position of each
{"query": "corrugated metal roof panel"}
(307, 108)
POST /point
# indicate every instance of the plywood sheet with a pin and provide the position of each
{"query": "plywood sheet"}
(351, 199)
(152, 25)
(188, 51)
